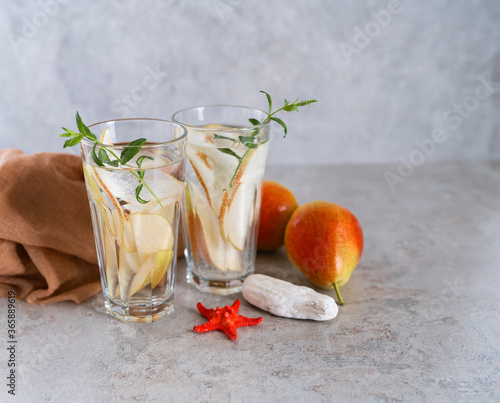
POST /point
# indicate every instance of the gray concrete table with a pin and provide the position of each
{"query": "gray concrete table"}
(421, 320)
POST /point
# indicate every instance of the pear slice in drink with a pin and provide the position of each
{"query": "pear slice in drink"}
(111, 263)
(206, 226)
(152, 270)
(207, 236)
(143, 276)
(153, 242)
(125, 235)
(236, 221)
(190, 217)
(214, 170)
(97, 196)
(119, 220)
(252, 167)
(162, 263)
(106, 137)
(154, 239)
(128, 265)
(152, 233)
(233, 261)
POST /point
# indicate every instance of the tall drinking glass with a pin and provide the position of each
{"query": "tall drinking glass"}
(135, 208)
(227, 153)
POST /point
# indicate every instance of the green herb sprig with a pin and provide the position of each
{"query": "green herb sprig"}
(288, 107)
(101, 153)
(249, 141)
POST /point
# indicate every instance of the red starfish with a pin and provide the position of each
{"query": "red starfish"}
(225, 319)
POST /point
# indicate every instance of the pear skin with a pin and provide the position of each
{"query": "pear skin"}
(325, 242)
(277, 206)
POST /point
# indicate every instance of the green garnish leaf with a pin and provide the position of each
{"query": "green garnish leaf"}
(246, 139)
(240, 160)
(269, 100)
(95, 157)
(68, 133)
(103, 155)
(142, 158)
(84, 129)
(287, 107)
(217, 136)
(140, 174)
(295, 105)
(130, 151)
(281, 123)
(139, 198)
(113, 163)
(230, 152)
(307, 102)
(73, 141)
(253, 121)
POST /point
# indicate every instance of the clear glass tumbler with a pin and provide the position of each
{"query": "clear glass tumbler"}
(227, 152)
(135, 208)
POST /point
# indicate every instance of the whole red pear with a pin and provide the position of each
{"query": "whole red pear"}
(277, 206)
(324, 241)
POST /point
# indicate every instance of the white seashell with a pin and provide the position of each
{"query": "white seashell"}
(285, 299)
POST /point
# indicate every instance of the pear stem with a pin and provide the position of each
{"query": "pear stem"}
(339, 296)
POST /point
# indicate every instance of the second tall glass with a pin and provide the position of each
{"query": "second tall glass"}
(227, 150)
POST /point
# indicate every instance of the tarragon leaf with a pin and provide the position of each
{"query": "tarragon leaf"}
(68, 133)
(141, 173)
(113, 163)
(84, 129)
(246, 139)
(307, 102)
(281, 123)
(229, 152)
(290, 107)
(269, 101)
(130, 151)
(217, 136)
(95, 157)
(137, 193)
(103, 155)
(73, 141)
(142, 158)
(253, 121)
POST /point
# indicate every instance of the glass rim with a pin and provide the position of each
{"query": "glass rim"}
(230, 129)
(153, 145)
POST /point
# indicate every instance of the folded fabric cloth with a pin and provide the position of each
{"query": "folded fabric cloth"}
(47, 250)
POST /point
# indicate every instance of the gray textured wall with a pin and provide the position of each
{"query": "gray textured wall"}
(387, 74)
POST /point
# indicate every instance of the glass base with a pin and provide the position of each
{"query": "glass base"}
(219, 287)
(139, 311)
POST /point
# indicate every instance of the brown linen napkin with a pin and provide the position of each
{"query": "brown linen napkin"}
(47, 250)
